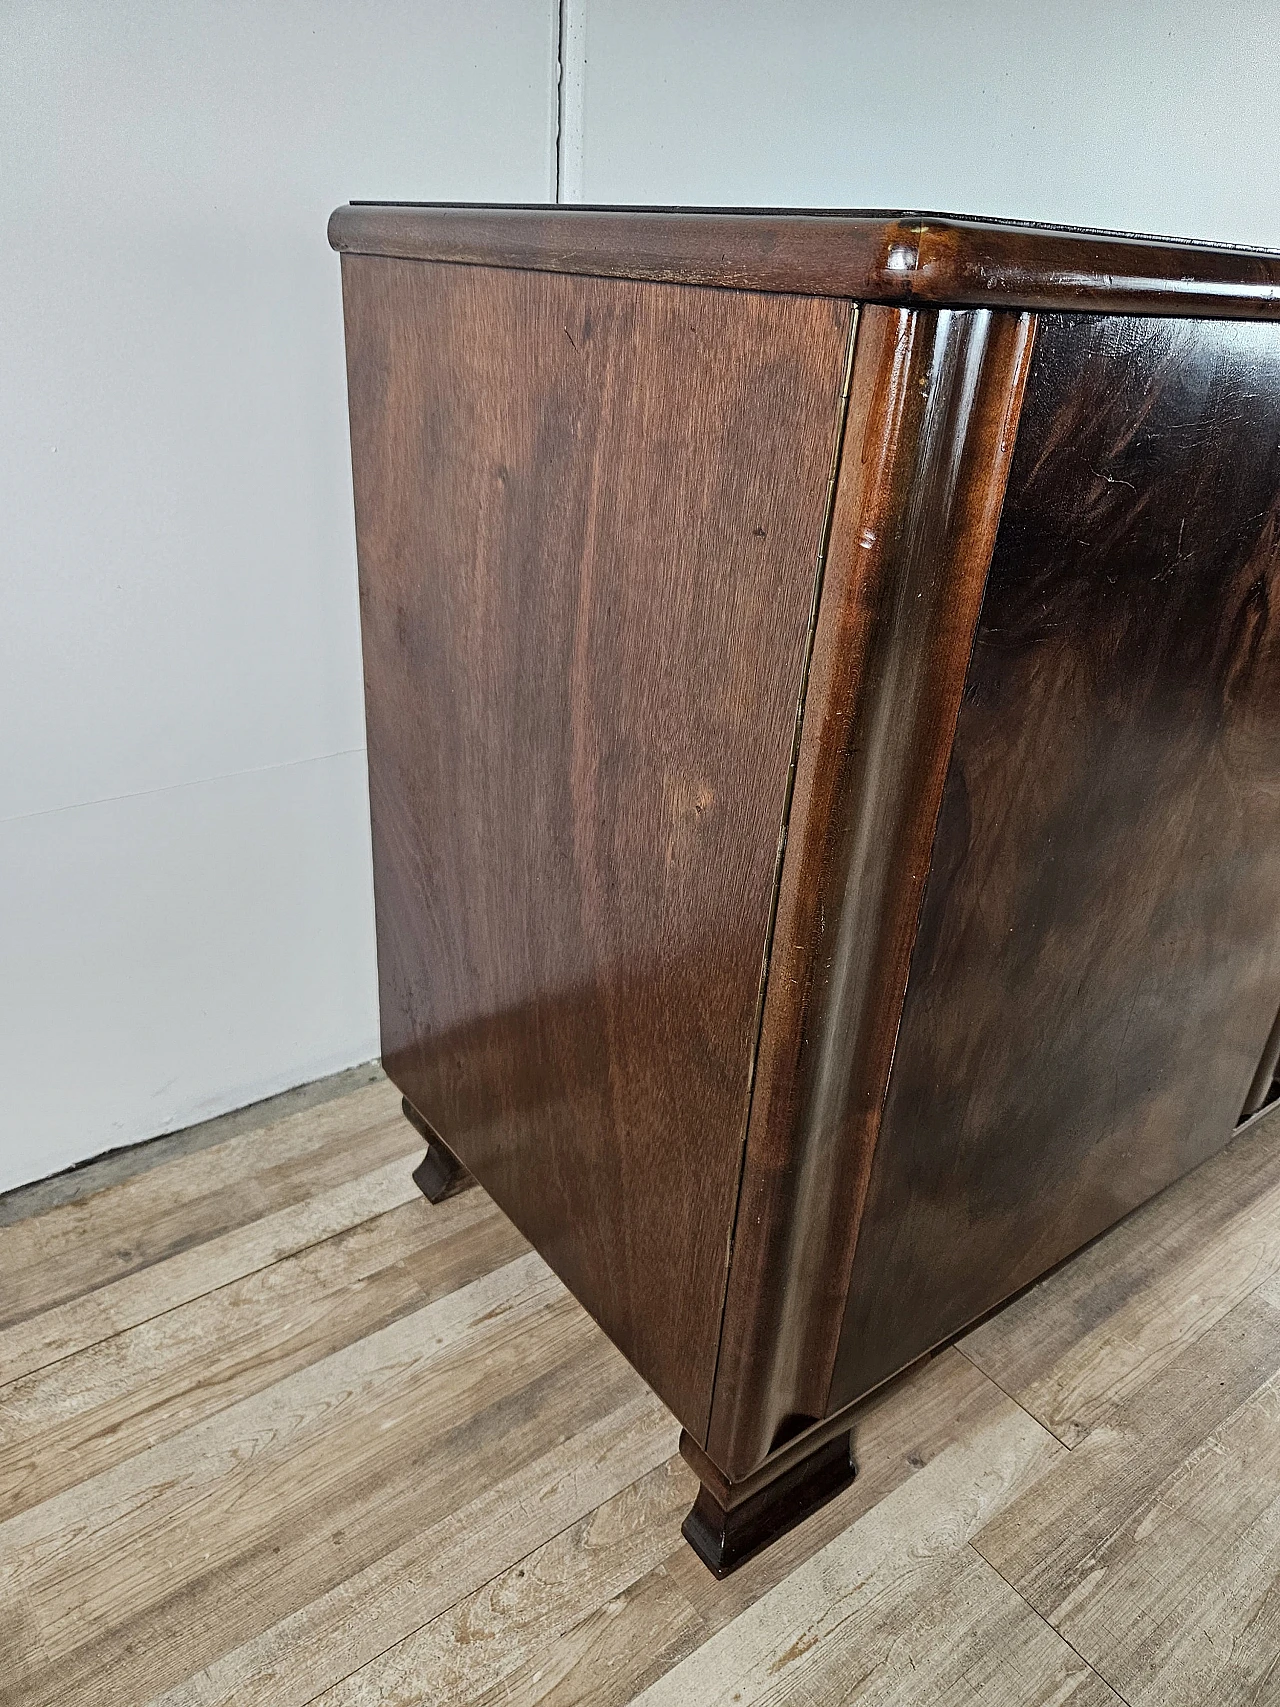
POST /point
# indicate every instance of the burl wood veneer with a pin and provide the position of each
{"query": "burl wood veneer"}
(824, 746)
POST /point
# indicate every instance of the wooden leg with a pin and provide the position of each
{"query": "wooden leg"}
(724, 1530)
(439, 1174)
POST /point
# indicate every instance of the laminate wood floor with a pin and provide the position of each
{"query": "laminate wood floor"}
(274, 1431)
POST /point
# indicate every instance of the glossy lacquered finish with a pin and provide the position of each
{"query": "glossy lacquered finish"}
(930, 259)
(1098, 962)
(824, 745)
(587, 601)
(728, 1525)
(933, 410)
(439, 1174)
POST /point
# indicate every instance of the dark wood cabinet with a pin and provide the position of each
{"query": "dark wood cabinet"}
(824, 743)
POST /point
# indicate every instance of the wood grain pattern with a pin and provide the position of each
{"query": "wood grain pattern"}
(589, 516)
(201, 1238)
(1155, 1549)
(933, 410)
(924, 259)
(74, 1250)
(325, 1471)
(1096, 973)
(610, 1652)
(897, 1433)
(479, 1503)
(1110, 1322)
(1050, 1546)
(320, 1643)
(1183, 1607)
(86, 1412)
(822, 1635)
(482, 1649)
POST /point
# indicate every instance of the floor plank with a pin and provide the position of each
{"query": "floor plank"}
(164, 1562)
(112, 1167)
(448, 1559)
(902, 1429)
(898, 1608)
(276, 1432)
(537, 1629)
(68, 1422)
(122, 1230)
(615, 1650)
(1048, 1546)
(1120, 1311)
(1182, 1604)
(1156, 1549)
(93, 1316)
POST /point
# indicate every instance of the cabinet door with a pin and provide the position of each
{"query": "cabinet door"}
(589, 514)
(1097, 968)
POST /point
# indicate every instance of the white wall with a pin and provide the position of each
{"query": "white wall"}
(185, 900)
(185, 911)
(1148, 115)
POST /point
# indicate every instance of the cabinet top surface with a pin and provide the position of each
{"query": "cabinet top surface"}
(925, 259)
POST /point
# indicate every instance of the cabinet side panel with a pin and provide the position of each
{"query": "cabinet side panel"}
(1098, 964)
(933, 408)
(589, 515)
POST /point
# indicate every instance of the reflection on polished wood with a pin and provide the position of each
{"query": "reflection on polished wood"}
(823, 686)
(933, 409)
(904, 259)
(586, 602)
(1096, 969)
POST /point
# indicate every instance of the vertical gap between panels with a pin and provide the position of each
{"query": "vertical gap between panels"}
(837, 451)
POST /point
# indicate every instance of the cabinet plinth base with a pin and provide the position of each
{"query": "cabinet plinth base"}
(439, 1174)
(724, 1537)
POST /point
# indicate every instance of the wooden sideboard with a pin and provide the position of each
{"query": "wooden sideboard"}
(823, 688)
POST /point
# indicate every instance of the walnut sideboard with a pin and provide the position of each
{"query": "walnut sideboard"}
(823, 688)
